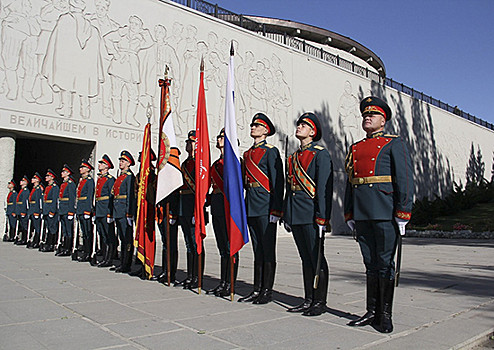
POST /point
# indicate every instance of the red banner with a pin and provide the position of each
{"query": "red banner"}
(202, 159)
(145, 232)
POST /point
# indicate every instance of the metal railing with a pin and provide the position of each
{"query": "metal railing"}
(302, 45)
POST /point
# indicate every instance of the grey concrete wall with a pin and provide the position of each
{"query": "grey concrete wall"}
(105, 62)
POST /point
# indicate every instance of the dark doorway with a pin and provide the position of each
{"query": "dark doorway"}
(39, 154)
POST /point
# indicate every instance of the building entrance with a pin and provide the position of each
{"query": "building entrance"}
(39, 154)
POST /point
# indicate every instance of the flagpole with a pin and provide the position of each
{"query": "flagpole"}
(168, 266)
(232, 278)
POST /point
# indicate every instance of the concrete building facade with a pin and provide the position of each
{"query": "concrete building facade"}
(78, 75)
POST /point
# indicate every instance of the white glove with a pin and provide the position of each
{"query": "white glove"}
(321, 230)
(287, 227)
(130, 221)
(50, 215)
(93, 219)
(193, 220)
(172, 221)
(87, 217)
(70, 217)
(401, 225)
(273, 219)
(351, 224)
(110, 220)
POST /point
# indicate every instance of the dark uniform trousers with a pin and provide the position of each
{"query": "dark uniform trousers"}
(106, 231)
(11, 219)
(34, 212)
(21, 212)
(172, 201)
(263, 236)
(12, 226)
(66, 226)
(50, 207)
(378, 241)
(51, 224)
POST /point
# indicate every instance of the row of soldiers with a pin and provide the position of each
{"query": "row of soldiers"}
(378, 200)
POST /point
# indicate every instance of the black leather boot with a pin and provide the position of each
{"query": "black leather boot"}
(257, 284)
(386, 293)
(195, 278)
(223, 275)
(318, 306)
(190, 267)
(308, 274)
(371, 303)
(266, 296)
(163, 276)
(106, 256)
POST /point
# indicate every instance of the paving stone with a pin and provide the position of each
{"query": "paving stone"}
(444, 299)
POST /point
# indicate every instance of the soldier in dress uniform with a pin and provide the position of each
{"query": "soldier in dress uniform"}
(378, 205)
(307, 210)
(35, 210)
(217, 203)
(186, 214)
(66, 211)
(264, 200)
(105, 225)
(124, 209)
(50, 211)
(85, 196)
(10, 212)
(21, 208)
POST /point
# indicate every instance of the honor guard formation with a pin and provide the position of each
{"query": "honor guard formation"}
(60, 217)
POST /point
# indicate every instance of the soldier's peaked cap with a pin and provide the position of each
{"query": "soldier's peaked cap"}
(374, 105)
(37, 176)
(311, 119)
(85, 163)
(68, 169)
(125, 155)
(51, 173)
(191, 136)
(106, 160)
(153, 156)
(221, 134)
(262, 119)
(12, 182)
(24, 178)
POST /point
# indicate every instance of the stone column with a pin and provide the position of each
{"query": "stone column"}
(7, 154)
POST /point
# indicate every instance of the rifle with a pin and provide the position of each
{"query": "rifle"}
(320, 249)
(398, 260)
(75, 242)
(94, 259)
(167, 234)
(58, 250)
(43, 234)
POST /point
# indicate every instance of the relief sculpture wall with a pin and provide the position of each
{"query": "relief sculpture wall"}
(87, 69)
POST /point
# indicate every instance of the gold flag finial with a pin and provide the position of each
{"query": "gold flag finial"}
(166, 71)
(232, 50)
(149, 112)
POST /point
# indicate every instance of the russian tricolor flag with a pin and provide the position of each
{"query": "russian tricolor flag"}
(236, 217)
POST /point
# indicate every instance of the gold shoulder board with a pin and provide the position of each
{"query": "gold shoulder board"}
(318, 147)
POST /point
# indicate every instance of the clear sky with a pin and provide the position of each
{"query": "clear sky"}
(444, 48)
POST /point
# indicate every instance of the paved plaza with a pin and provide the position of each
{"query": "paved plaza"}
(445, 300)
